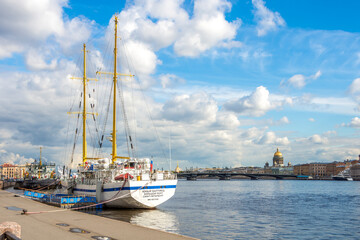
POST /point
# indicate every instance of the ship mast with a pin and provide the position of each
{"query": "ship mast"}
(84, 109)
(114, 155)
(84, 113)
(114, 146)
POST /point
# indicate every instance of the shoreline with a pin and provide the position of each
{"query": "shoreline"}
(44, 225)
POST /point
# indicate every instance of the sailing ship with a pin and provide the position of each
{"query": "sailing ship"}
(120, 182)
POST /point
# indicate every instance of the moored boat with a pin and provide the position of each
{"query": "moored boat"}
(120, 182)
(39, 175)
(343, 176)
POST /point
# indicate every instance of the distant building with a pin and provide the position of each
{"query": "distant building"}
(302, 169)
(266, 166)
(11, 171)
(334, 168)
(311, 169)
(355, 170)
(324, 169)
(278, 166)
(177, 169)
(278, 159)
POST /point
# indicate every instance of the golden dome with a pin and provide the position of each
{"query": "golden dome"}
(278, 153)
(177, 169)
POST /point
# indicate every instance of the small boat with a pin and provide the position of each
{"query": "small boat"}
(343, 176)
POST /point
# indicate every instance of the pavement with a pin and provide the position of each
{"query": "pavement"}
(45, 225)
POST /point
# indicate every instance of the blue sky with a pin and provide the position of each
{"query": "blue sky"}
(231, 80)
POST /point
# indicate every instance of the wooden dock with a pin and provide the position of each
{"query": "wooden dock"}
(56, 223)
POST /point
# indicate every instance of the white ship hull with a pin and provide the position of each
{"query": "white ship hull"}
(131, 194)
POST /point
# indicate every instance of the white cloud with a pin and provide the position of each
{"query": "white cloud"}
(256, 104)
(161, 23)
(266, 20)
(144, 60)
(318, 139)
(226, 120)
(207, 28)
(354, 91)
(31, 23)
(355, 123)
(330, 133)
(270, 122)
(311, 120)
(270, 138)
(284, 120)
(191, 108)
(13, 158)
(355, 86)
(316, 75)
(252, 133)
(37, 61)
(299, 80)
(170, 80)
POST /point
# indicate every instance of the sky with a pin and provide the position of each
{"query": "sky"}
(223, 82)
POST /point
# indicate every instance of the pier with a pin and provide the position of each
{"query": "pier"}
(6, 184)
(50, 222)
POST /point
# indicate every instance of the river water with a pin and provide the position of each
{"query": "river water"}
(262, 209)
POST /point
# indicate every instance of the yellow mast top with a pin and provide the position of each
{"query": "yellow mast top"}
(39, 164)
(40, 156)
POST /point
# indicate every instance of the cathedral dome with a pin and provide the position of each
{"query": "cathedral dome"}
(278, 153)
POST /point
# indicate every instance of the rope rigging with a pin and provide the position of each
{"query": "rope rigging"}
(98, 128)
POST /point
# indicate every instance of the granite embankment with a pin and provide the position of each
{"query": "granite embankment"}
(46, 225)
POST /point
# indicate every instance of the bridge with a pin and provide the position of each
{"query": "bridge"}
(228, 175)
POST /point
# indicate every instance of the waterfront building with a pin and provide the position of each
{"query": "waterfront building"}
(355, 170)
(318, 169)
(324, 169)
(334, 168)
(302, 169)
(12, 171)
(311, 169)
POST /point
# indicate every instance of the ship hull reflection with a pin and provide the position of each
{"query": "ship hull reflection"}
(151, 218)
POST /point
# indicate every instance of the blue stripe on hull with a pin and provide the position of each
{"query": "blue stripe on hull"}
(125, 188)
